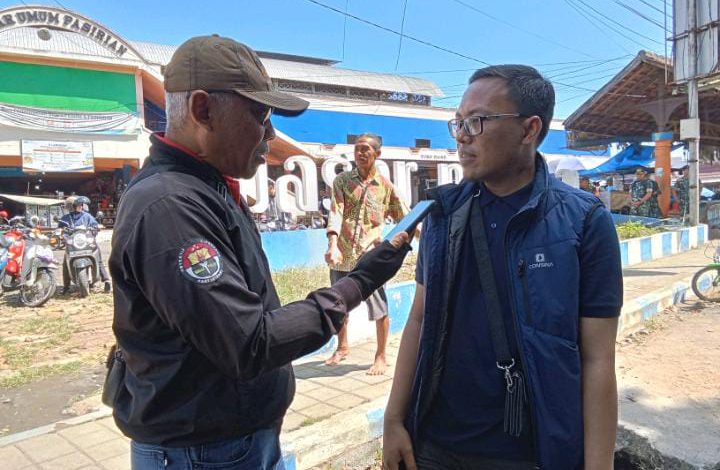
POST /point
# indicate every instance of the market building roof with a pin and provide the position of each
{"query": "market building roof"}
(281, 67)
(629, 106)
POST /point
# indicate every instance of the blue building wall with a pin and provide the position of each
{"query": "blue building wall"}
(300, 248)
(333, 127)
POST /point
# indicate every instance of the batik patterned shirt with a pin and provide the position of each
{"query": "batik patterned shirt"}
(358, 212)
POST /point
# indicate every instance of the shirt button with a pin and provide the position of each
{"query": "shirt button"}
(493, 225)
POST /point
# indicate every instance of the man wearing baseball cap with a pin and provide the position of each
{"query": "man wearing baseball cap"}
(201, 377)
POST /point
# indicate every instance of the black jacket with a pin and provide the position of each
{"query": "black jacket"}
(206, 342)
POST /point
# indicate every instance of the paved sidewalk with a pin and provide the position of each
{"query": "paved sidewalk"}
(321, 392)
(662, 273)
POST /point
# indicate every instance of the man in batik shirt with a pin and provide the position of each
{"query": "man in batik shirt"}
(361, 201)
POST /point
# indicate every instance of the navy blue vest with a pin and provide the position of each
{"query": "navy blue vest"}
(542, 243)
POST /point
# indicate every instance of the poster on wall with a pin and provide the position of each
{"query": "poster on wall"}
(57, 156)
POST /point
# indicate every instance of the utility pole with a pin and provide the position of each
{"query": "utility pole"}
(693, 115)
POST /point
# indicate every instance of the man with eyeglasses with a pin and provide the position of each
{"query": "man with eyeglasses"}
(201, 376)
(507, 359)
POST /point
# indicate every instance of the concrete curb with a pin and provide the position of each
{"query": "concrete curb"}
(313, 445)
(643, 308)
(639, 250)
(57, 426)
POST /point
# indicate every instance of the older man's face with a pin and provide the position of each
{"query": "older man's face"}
(494, 153)
(236, 145)
(365, 154)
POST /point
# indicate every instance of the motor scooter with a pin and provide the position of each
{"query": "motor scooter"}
(82, 255)
(27, 264)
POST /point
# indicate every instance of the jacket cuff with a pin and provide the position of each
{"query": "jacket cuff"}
(350, 292)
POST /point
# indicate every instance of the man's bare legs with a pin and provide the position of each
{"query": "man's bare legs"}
(343, 347)
(383, 330)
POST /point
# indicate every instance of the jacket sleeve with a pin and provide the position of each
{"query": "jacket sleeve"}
(91, 221)
(181, 258)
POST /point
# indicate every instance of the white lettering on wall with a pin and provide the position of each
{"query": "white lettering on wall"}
(257, 188)
(383, 168)
(294, 194)
(449, 173)
(306, 187)
(403, 179)
(329, 168)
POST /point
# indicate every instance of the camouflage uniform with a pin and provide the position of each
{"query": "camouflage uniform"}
(649, 208)
(682, 187)
(653, 205)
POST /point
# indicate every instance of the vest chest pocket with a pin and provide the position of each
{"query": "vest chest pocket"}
(548, 288)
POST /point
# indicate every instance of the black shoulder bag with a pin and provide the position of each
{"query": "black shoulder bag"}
(515, 397)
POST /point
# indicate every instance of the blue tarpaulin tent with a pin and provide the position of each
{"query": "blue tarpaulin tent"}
(634, 157)
(627, 161)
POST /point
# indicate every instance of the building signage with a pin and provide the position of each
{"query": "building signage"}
(57, 156)
(435, 155)
(62, 19)
(300, 193)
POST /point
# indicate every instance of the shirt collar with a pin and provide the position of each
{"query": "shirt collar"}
(171, 143)
(515, 200)
(374, 177)
(232, 184)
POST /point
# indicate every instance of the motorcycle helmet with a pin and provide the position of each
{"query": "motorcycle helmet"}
(81, 200)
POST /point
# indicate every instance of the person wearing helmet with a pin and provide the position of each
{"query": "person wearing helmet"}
(80, 216)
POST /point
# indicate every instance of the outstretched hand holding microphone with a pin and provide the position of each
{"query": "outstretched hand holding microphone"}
(380, 264)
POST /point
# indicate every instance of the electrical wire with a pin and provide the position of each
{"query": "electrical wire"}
(402, 30)
(601, 14)
(514, 26)
(653, 6)
(347, 4)
(589, 20)
(389, 30)
(640, 14)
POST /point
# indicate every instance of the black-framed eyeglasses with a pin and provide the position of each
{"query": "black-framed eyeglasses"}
(262, 112)
(474, 125)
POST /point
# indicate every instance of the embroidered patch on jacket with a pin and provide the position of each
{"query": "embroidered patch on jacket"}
(200, 262)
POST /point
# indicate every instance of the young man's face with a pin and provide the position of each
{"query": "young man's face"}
(366, 154)
(495, 153)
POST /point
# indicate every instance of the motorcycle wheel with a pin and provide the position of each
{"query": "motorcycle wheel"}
(41, 291)
(83, 282)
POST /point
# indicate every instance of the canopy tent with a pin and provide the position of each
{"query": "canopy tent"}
(33, 200)
(572, 162)
(634, 157)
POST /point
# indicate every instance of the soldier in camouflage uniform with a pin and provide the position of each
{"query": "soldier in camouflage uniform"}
(682, 191)
(644, 193)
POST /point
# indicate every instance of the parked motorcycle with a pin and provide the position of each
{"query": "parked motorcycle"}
(27, 264)
(57, 240)
(81, 258)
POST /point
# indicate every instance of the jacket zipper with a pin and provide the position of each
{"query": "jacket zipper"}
(522, 273)
(521, 348)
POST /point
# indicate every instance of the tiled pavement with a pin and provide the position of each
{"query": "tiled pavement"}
(321, 391)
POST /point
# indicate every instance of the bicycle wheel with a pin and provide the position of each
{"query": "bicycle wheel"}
(706, 284)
